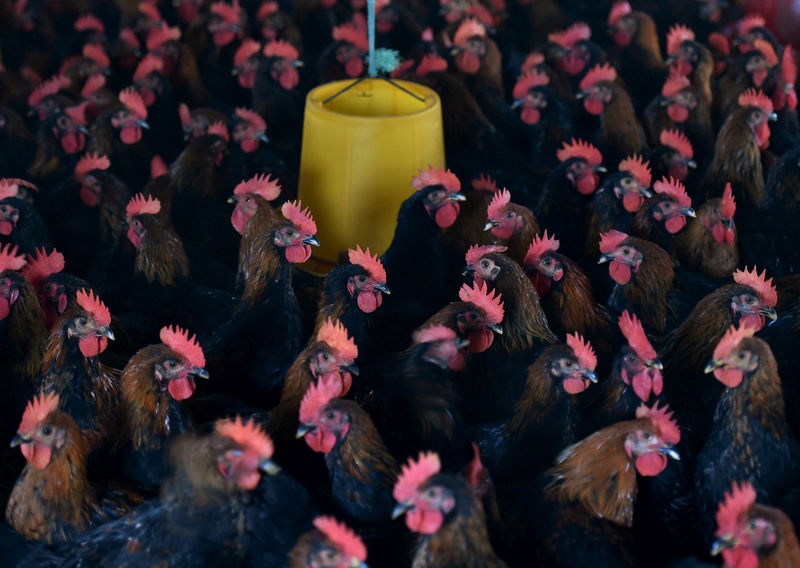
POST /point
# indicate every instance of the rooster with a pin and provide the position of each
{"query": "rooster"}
(664, 214)
(445, 512)
(750, 438)
(152, 386)
(674, 158)
(512, 225)
(330, 544)
(53, 500)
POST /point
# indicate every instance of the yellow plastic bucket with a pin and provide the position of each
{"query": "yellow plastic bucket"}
(360, 151)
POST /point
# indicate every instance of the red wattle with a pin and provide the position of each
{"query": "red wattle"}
(130, 134)
(354, 67)
(468, 62)
(651, 464)
(480, 340)
(593, 106)
(678, 113)
(447, 214)
(587, 183)
(424, 522)
(632, 201)
(298, 253)
(181, 388)
(731, 378)
(73, 142)
(91, 346)
(530, 115)
(575, 386)
(675, 224)
(368, 301)
(6, 227)
(621, 273)
(290, 77)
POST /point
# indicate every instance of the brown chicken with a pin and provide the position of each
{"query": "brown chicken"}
(664, 214)
(681, 106)
(330, 544)
(690, 58)
(513, 225)
(754, 69)
(53, 500)
(709, 244)
(445, 512)
(749, 533)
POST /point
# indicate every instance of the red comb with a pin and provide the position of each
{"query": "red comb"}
(301, 218)
(611, 240)
(736, 503)
(91, 162)
(597, 73)
(78, 113)
(37, 410)
(490, 303)
(676, 36)
(227, 12)
(133, 102)
(266, 9)
(527, 81)
(749, 22)
(187, 347)
(720, 43)
(128, 36)
(249, 435)
(47, 88)
(731, 340)
(138, 205)
(788, 66)
(677, 140)
(97, 54)
(149, 64)
(485, 183)
(42, 266)
(430, 63)
(219, 129)
(334, 334)
(498, 203)
(158, 167)
(245, 51)
(432, 334)
(372, 264)
(751, 97)
(618, 10)
(728, 202)
(470, 27)
(662, 419)
(94, 306)
(540, 245)
(767, 51)
(158, 36)
(281, 48)
(185, 114)
(92, 84)
(675, 189)
(674, 85)
(348, 542)
(482, 14)
(632, 329)
(758, 282)
(638, 168)
(404, 67)
(572, 35)
(580, 149)
(19, 183)
(150, 11)
(351, 34)
(583, 350)
(477, 252)
(261, 185)
(532, 60)
(8, 188)
(436, 176)
(414, 474)
(9, 259)
(427, 34)
(89, 22)
(315, 399)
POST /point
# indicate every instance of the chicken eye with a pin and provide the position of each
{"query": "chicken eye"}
(753, 525)
(568, 363)
(630, 358)
(626, 251)
(3, 282)
(4, 209)
(749, 299)
(510, 215)
(325, 356)
(47, 430)
(484, 264)
(473, 316)
(548, 262)
(83, 322)
(646, 436)
(172, 364)
(62, 122)
(329, 415)
(248, 200)
(741, 355)
(362, 278)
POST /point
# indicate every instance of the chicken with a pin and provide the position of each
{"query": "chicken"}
(749, 532)
(643, 274)
(449, 518)
(709, 244)
(180, 65)
(152, 386)
(512, 225)
(345, 56)
(664, 214)
(159, 98)
(690, 58)
(674, 158)
(52, 500)
(750, 438)
(20, 222)
(566, 294)
(572, 52)
(755, 68)
(330, 544)
(620, 134)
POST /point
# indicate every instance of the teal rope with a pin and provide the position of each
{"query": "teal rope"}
(371, 68)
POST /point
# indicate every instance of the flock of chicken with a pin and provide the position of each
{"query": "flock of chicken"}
(578, 349)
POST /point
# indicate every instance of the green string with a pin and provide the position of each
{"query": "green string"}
(371, 68)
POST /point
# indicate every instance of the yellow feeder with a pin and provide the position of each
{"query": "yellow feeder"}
(361, 147)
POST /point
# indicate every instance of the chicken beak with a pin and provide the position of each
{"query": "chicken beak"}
(670, 60)
(232, 200)
(646, 193)
(142, 123)
(349, 368)
(669, 450)
(468, 269)
(199, 372)
(20, 439)
(461, 342)
(269, 467)
(381, 287)
(590, 376)
(722, 543)
(455, 196)
(401, 508)
(304, 429)
(311, 240)
(456, 50)
(297, 63)
(768, 312)
(687, 212)
(262, 137)
(495, 327)
(665, 102)
(104, 331)
(491, 224)
(654, 364)
(600, 169)
(517, 103)
(773, 117)
(605, 258)
(690, 163)
(235, 71)
(580, 95)
(82, 129)
(713, 365)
